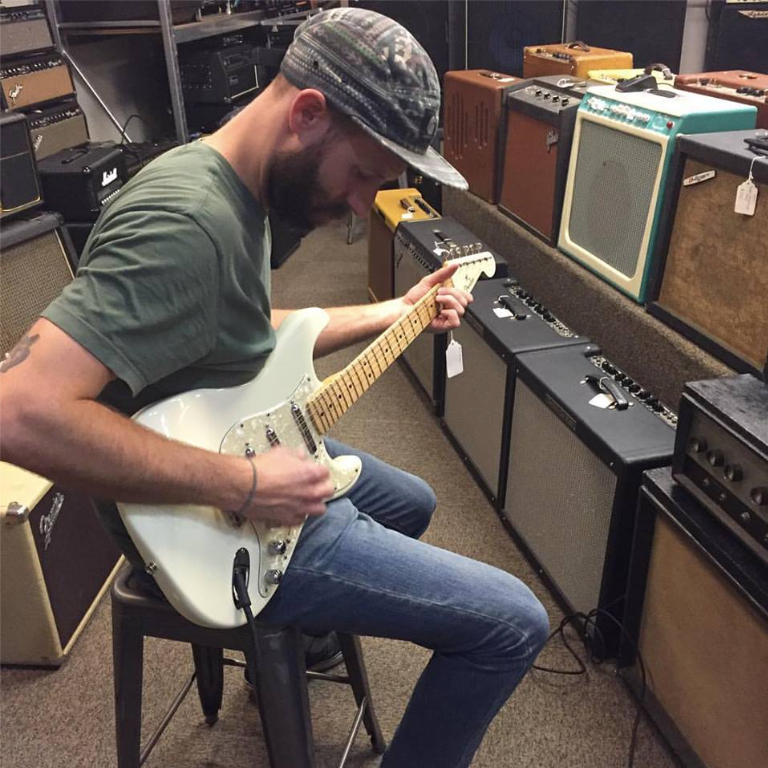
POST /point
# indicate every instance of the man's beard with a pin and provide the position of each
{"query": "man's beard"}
(294, 192)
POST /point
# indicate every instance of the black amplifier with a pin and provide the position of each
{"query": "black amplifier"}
(57, 127)
(219, 76)
(182, 11)
(79, 182)
(139, 154)
(503, 321)
(420, 248)
(31, 81)
(721, 454)
(582, 433)
(19, 184)
(24, 30)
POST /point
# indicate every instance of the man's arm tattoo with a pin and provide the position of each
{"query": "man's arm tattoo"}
(18, 354)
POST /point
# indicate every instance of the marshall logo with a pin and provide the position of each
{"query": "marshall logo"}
(108, 177)
(48, 521)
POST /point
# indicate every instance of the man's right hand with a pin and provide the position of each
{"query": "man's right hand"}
(289, 487)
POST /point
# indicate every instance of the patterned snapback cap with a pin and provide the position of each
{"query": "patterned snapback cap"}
(373, 70)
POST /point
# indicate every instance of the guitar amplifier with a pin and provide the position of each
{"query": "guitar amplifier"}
(57, 562)
(661, 72)
(390, 208)
(420, 248)
(575, 59)
(503, 321)
(58, 127)
(219, 76)
(24, 30)
(716, 258)
(697, 610)
(79, 182)
(19, 183)
(618, 175)
(472, 116)
(737, 34)
(735, 85)
(182, 11)
(582, 434)
(721, 454)
(26, 83)
(537, 132)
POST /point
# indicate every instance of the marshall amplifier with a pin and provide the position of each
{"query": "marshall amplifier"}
(503, 321)
(421, 247)
(623, 143)
(721, 454)
(58, 127)
(79, 182)
(697, 610)
(219, 76)
(24, 30)
(575, 59)
(715, 257)
(57, 562)
(537, 131)
(19, 183)
(472, 116)
(582, 434)
(29, 82)
(734, 85)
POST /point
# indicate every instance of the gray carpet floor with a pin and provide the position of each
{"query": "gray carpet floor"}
(61, 718)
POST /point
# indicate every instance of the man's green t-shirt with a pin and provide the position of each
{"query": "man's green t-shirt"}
(172, 290)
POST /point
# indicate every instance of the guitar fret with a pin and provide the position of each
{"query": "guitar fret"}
(343, 396)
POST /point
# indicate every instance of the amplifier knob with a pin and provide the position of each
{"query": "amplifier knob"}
(657, 406)
(745, 517)
(548, 316)
(759, 496)
(733, 472)
(653, 402)
(619, 376)
(547, 95)
(565, 102)
(633, 388)
(715, 457)
(608, 368)
(643, 395)
(697, 444)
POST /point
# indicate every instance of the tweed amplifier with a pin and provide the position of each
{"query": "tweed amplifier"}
(662, 73)
(473, 111)
(716, 258)
(697, 610)
(574, 59)
(390, 208)
(582, 434)
(57, 127)
(503, 321)
(26, 83)
(721, 454)
(420, 248)
(80, 181)
(735, 85)
(537, 132)
(24, 30)
(19, 183)
(617, 179)
(219, 76)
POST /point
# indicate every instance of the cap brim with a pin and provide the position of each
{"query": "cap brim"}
(431, 163)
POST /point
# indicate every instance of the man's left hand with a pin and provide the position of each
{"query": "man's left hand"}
(452, 301)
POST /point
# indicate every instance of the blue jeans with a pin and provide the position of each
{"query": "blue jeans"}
(360, 568)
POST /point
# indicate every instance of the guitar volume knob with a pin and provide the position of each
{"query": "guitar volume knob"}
(273, 576)
(276, 547)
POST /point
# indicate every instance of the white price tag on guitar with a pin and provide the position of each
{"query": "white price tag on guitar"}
(454, 360)
(746, 198)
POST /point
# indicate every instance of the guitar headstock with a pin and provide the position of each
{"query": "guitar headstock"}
(471, 267)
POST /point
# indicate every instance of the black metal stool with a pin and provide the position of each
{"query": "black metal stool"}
(281, 684)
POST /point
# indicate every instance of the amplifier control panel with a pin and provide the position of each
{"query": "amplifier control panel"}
(533, 306)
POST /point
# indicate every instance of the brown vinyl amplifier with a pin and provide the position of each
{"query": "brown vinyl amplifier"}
(575, 59)
(734, 85)
(36, 80)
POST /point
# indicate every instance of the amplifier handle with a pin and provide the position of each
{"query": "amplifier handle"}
(658, 67)
(609, 386)
(580, 45)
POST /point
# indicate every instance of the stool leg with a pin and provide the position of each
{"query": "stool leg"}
(209, 668)
(281, 691)
(128, 663)
(358, 678)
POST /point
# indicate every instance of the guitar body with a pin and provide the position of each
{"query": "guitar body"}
(190, 549)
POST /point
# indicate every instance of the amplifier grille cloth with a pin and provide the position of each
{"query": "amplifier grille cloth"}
(559, 499)
(613, 192)
(34, 274)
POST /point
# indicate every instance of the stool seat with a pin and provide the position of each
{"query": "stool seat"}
(139, 610)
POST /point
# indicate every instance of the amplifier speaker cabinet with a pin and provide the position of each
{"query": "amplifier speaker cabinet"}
(472, 116)
(574, 59)
(537, 132)
(57, 562)
(19, 183)
(580, 439)
(220, 76)
(503, 321)
(737, 34)
(58, 127)
(697, 609)
(617, 179)
(420, 248)
(182, 11)
(390, 208)
(716, 259)
(735, 85)
(721, 454)
(37, 261)
(24, 30)
(28, 82)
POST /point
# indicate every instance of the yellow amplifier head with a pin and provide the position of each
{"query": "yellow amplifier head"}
(397, 205)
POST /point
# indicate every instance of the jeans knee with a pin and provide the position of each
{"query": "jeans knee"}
(537, 621)
(424, 503)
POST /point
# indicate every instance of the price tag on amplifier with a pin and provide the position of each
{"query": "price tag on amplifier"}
(454, 360)
(746, 198)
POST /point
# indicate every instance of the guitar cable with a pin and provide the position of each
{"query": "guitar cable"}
(240, 573)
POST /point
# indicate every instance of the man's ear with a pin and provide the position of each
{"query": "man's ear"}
(309, 115)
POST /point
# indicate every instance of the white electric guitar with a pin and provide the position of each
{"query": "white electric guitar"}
(190, 549)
